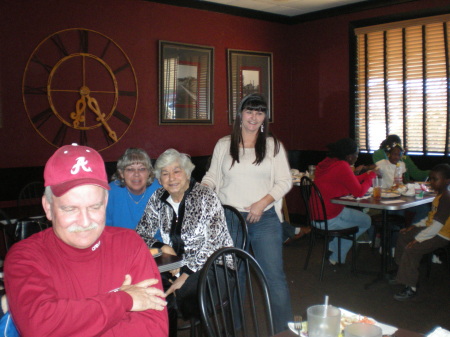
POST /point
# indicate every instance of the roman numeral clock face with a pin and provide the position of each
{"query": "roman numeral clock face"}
(80, 87)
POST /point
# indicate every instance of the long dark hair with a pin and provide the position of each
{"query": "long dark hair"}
(252, 101)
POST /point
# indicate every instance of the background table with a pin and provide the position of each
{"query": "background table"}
(402, 202)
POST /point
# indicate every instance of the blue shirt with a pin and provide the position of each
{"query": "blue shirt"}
(125, 209)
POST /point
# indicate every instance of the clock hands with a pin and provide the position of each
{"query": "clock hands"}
(93, 105)
(79, 116)
(80, 107)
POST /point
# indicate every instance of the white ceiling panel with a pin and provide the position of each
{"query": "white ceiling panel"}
(286, 7)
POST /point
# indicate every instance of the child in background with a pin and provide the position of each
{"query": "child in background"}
(425, 236)
(387, 167)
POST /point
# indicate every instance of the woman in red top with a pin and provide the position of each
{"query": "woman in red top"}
(335, 178)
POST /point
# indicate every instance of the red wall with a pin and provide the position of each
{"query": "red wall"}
(311, 72)
(320, 85)
(136, 26)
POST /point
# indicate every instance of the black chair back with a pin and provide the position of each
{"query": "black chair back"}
(228, 303)
(7, 230)
(29, 201)
(236, 226)
(26, 227)
(317, 218)
(315, 207)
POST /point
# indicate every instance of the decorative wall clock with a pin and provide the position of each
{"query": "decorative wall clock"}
(79, 86)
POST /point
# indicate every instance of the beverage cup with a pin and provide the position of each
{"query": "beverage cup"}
(418, 193)
(324, 321)
(376, 184)
(362, 330)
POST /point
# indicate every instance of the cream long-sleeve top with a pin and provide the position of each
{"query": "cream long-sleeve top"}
(246, 183)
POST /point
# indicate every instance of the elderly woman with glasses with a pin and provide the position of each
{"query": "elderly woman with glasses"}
(192, 223)
(132, 185)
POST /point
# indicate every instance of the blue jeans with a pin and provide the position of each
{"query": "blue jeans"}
(349, 217)
(265, 240)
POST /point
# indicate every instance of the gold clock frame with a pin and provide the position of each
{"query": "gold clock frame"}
(55, 54)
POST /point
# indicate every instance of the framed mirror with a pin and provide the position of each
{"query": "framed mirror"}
(185, 83)
(248, 72)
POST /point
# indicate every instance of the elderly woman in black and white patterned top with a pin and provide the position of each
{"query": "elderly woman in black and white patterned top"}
(192, 223)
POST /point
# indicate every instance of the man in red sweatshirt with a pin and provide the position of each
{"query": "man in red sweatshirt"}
(80, 278)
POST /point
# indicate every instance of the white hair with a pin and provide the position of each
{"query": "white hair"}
(171, 156)
(49, 193)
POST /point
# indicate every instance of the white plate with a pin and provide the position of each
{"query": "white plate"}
(389, 195)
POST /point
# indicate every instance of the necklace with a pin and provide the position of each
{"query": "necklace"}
(131, 197)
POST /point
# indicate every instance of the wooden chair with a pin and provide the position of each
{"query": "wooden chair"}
(29, 201)
(317, 218)
(228, 305)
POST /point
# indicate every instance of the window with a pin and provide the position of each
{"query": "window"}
(402, 84)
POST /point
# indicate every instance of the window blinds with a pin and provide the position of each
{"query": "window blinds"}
(402, 84)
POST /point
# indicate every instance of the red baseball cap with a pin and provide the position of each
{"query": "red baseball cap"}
(74, 165)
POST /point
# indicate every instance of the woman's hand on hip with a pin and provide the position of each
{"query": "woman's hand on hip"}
(255, 211)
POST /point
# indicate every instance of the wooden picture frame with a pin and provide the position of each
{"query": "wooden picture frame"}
(185, 83)
(248, 72)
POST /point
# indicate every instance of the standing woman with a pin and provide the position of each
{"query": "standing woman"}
(131, 187)
(250, 171)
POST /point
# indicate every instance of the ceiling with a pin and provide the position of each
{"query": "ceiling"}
(286, 7)
(284, 11)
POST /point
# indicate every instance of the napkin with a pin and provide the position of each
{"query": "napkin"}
(351, 197)
(439, 332)
(392, 201)
(409, 190)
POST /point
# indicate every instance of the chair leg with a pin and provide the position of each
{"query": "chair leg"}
(339, 250)
(324, 255)
(311, 244)
(193, 332)
(429, 259)
(354, 255)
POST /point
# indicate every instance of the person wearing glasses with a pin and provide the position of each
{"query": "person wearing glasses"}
(250, 171)
(132, 186)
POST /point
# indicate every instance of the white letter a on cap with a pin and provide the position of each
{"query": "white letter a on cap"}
(81, 163)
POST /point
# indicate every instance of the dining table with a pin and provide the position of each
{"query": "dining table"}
(399, 333)
(400, 202)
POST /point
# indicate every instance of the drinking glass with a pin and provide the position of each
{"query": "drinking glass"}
(376, 184)
(324, 321)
